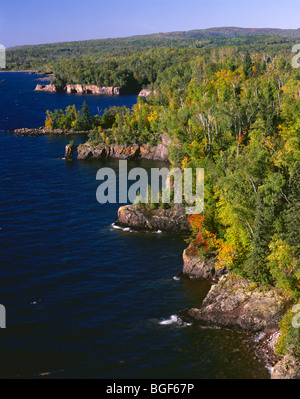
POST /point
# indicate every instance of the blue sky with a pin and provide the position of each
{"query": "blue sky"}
(38, 21)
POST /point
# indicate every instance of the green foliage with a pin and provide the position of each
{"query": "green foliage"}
(289, 340)
(71, 119)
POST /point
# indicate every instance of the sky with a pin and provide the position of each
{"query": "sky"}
(37, 21)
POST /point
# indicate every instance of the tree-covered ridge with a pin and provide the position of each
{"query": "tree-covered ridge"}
(134, 62)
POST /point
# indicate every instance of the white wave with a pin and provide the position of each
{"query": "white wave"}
(126, 229)
(114, 226)
(259, 336)
(174, 319)
(176, 278)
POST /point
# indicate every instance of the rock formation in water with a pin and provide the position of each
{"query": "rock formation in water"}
(138, 218)
(49, 88)
(69, 151)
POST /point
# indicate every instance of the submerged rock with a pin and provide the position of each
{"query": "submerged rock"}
(171, 220)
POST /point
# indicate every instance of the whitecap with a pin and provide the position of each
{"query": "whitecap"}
(174, 319)
(114, 226)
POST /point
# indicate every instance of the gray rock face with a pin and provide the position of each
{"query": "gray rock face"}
(197, 267)
(171, 220)
(234, 303)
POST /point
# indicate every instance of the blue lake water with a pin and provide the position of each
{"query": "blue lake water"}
(85, 300)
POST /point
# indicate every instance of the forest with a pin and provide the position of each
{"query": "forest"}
(233, 110)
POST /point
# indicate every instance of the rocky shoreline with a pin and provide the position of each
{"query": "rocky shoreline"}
(88, 89)
(43, 131)
(233, 302)
(237, 303)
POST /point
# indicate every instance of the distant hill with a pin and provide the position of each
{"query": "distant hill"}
(230, 32)
(225, 32)
(43, 57)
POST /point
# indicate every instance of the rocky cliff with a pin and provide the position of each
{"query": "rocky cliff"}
(194, 266)
(157, 153)
(138, 218)
(80, 89)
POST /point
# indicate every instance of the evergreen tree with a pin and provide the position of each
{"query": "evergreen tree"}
(256, 266)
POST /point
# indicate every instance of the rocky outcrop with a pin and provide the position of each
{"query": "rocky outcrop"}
(194, 266)
(287, 368)
(88, 152)
(80, 89)
(138, 218)
(146, 93)
(157, 153)
(49, 88)
(237, 303)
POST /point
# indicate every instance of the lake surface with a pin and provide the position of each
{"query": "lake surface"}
(83, 299)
